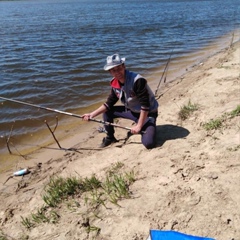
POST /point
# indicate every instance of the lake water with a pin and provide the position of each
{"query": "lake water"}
(53, 52)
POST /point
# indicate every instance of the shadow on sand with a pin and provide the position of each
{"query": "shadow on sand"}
(170, 132)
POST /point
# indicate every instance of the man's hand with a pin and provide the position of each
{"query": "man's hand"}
(136, 129)
(89, 116)
(86, 116)
(142, 119)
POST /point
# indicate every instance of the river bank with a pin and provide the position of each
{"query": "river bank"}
(188, 183)
(23, 145)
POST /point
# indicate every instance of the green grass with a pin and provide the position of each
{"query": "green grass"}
(235, 112)
(27, 222)
(213, 124)
(89, 184)
(116, 187)
(45, 216)
(116, 168)
(92, 191)
(217, 123)
(2, 236)
(59, 189)
(187, 110)
(40, 216)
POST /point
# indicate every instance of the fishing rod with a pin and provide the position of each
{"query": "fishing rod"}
(165, 69)
(62, 112)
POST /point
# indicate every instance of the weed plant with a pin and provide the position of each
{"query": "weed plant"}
(59, 189)
(215, 124)
(95, 192)
(2, 236)
(235, 112)
(40, 216)
(116, 168)
(187, 110)
(27, 223)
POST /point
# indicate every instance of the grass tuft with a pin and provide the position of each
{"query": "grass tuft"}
(2, 236)
(59, 189)
(94, 192)
(213, 124)
(235, 112)
(89, 184)
(187, 110)
(27, 223)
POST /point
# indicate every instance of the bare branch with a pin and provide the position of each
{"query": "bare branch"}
(8, 139)
(52, 132)
(56, 124)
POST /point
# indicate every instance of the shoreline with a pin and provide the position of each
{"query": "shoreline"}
(188, 183)
(28, 148)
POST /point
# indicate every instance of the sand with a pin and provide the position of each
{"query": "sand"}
(189, 183)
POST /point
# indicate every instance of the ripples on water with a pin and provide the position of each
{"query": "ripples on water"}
(52, 53)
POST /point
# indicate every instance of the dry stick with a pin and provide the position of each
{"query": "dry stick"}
(8, 179)
(56, 124)
(8, 139)
(52, 132)
(231, 41)
(8, 147)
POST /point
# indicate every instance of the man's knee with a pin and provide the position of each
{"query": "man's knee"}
(149, 144)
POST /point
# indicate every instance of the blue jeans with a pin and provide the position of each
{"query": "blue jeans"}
(148, 129)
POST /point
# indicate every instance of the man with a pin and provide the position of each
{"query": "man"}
(139, 103)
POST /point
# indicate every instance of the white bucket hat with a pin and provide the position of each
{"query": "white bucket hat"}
(113, 61)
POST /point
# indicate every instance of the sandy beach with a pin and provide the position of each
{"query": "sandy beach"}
(188, 183)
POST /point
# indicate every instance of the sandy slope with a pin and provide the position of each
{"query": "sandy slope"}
(188, 183)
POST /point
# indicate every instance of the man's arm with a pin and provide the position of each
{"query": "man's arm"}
(142, 118)
(142, 94)
(88, 116)
(111, 100)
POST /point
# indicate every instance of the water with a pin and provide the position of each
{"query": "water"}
(53, 52)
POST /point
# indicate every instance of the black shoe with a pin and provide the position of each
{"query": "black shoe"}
(129, 134)
(107, 141)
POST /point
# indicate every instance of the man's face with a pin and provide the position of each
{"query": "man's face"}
(118, 72)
